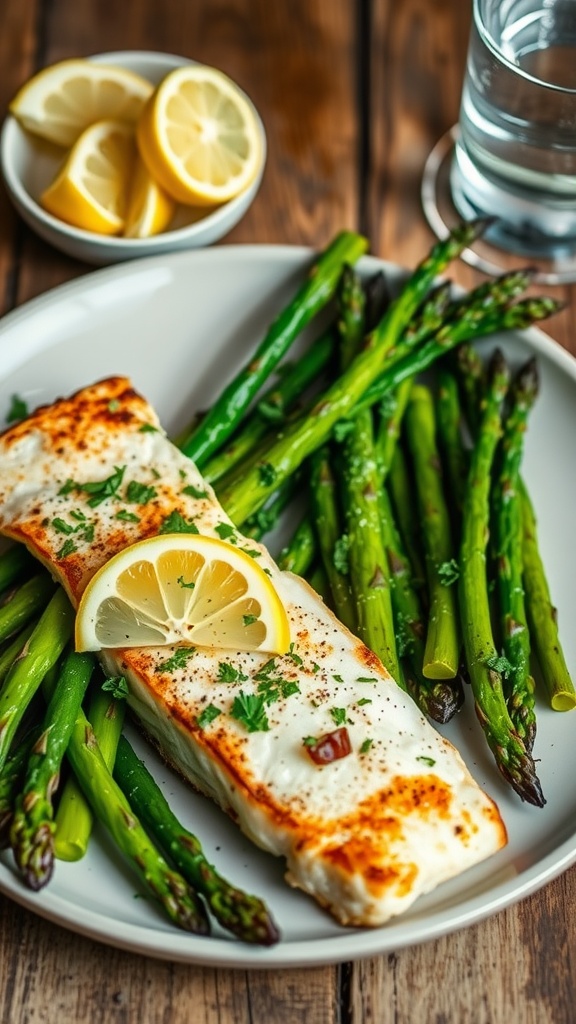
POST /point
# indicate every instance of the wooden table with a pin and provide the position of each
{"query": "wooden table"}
(354, 95)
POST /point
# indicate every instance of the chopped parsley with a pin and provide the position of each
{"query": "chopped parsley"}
(102, 489)
(127, 517)
(337, 678)
(499, 664)
(267, 473)
(365, 747)
(68, 548)
(225, 531)
(449, 572)
(176, 523)
(366, 679)
(62, 527)
(250, 710)
(363, 700)
(139, 494)
(228, 674)
(293, 654)
(429, 761)
(194, 492)
(208, 715)
(182, 583)
(177, 660)
(272, 690)
(248, 620)
(117, 686)
(83, 529)
(113, 405)
(18, 410)
(147, 428)
(339, 715)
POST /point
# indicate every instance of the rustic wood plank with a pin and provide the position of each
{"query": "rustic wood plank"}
(17, 56)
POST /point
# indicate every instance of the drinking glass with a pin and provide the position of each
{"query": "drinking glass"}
(512, 155)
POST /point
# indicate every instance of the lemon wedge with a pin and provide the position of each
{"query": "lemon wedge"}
(199, 136)
(182, 589)
(62, 100)
(150, 208)
(91, 190)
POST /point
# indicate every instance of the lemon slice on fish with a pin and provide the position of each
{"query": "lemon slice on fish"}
(182, 589)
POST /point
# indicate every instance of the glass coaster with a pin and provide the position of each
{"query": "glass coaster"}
(496, 251)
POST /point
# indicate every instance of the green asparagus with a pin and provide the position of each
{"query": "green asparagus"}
(225, 414)
(300, 438)
(74, 818)
(507, 507)
(42, 651)
(442, 649)
(33, 827)
(512, 758)
(244, 915)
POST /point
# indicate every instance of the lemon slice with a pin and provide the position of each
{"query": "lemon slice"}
(150, 208)
(91, 190)
(182, 589)
(62, 100)
(199, 136)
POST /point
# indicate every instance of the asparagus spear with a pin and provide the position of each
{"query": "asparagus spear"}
(541, 613)
(74, 818)
(369, 573)
(244, 915)
(507, 318)
(513, 760)
(442, 651)
(41, 652)
(112, 808)
(507, 504)
(11, 778)
(401, 491)
(272, 408)
(25, 604)
(453, 452)
(329, 533)
(306, 433)
(226, 413)
(32, 830)
(439, 699)
(542, 617)
(13, 649)
(297, 556)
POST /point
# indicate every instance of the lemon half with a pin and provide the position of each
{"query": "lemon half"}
(199, 136)
(62, 100)
(182, 589)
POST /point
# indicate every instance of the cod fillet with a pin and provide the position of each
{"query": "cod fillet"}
(364, 835)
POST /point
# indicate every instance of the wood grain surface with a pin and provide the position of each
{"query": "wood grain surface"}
(353, 95)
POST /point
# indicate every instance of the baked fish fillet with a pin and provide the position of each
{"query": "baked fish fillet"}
(366, 834)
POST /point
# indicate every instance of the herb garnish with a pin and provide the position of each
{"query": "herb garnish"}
(178, 660)
(176, 523)
(208, 715)
(18, 409)
(250, 710)
(117, 686)
(139, 494)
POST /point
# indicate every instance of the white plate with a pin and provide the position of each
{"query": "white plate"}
(179, 325)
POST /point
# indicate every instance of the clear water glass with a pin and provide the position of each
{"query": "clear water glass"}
(515, 151)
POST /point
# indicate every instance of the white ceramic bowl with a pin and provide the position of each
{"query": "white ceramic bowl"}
(29, 164)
